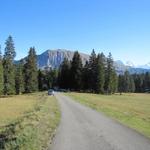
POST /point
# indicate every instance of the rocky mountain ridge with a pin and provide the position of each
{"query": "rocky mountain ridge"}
(54, 58)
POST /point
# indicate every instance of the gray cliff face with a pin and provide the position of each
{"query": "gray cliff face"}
(54, 58)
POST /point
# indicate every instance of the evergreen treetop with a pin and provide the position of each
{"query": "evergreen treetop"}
(9, 49)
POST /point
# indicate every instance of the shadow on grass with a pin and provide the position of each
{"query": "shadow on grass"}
(8, 135)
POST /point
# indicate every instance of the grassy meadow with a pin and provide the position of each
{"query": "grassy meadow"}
(28, 121)
(132, 110)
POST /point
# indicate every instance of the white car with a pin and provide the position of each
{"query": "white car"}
(51, 92)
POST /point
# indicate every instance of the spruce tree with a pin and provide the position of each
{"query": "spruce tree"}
(1, 74)
(8, 66)
(45, 80)
(54, 76)
(76, 72)
(92, 70)
(85, 77)
(131, 85)
(139, 81)
(64, 74)
(19, 79)
(114, 81)
(109, 75)
(31, 72)
(121, 84)
(146, 82)
(100, 73)
(49, 79)
(40, 80)
(127, 82)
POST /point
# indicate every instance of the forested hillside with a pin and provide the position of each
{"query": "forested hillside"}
(95, 73)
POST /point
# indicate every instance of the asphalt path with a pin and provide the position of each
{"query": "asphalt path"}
(82, 128)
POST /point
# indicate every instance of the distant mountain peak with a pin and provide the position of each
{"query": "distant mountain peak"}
(146, 66)
(54, 58)
(130, 64)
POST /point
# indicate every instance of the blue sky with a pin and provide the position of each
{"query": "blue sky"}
(121, 27)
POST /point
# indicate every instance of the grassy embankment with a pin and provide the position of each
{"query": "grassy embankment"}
(28, 122)
(132, 110)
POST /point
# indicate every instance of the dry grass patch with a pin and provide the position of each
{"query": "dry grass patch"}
(13, 107)
(29, 121)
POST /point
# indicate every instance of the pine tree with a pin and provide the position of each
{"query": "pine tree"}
(76, 72)
(100, 73)
(19, 79)
(127, 82)
(114, 81)
(54, 76)
(146, 82)
(121, 84)
(8, 66)
(109, 75)
(131, 85)
(85, 77)
(92, 70)
(40, 80)
(31, 72)
(64, 74)
(48, 79)
(139, 81)
(1, 74)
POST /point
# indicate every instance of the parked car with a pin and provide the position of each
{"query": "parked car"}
(51, 92)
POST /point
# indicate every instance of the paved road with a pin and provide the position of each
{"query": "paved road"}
(82, 128)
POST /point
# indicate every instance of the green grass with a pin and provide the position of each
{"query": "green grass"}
(132, 110)
(28, 122)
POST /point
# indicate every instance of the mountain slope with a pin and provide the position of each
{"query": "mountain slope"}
(146, 66)
(53, 58)
(121, 68)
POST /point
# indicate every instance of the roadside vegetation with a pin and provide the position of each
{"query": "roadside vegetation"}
(28, 122)
(132, 110)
